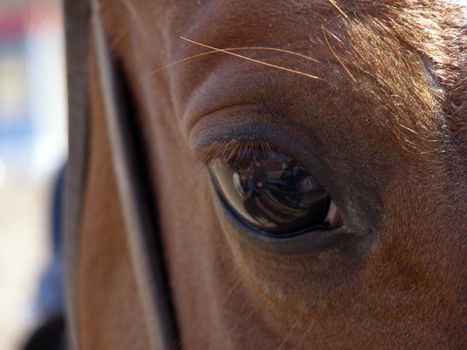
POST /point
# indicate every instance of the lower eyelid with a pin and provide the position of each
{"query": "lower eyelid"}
(307, 243)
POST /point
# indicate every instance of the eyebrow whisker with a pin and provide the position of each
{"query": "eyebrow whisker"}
(333, 3)
(336, 56)
(245, 48)
(293, 71)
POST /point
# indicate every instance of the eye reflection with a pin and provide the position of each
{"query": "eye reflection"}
(274, 193)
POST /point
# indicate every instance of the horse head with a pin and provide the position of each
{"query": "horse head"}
(307, 164)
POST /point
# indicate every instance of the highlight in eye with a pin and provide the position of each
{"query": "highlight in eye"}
(268, 190)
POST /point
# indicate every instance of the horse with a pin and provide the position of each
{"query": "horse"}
(266, 175)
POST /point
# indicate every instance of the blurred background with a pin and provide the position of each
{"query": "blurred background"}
(32, 150)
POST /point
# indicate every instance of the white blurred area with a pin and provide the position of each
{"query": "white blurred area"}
(32, 149)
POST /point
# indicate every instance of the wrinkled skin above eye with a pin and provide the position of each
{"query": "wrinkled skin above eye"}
(273, 193)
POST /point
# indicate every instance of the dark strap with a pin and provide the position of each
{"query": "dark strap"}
(134, 191)
(76, 31)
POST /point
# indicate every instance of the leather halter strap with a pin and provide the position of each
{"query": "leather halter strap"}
(76, 31)
(144, 242)
(145, 246)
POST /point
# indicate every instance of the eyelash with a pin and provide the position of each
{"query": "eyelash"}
(233, 150)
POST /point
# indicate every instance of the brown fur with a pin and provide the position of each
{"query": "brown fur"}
(388, 119)
(106, 285)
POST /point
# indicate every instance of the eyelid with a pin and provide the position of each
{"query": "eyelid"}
(235, 145)
(217, 140)
(358, 207)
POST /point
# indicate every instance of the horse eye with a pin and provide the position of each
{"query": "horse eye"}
(273, 193)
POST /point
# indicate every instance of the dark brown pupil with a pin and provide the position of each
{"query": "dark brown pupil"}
(272, 192)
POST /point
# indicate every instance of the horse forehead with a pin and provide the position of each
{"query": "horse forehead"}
(242, 19)
(285, 24)
(321, 31)
(318, 27)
